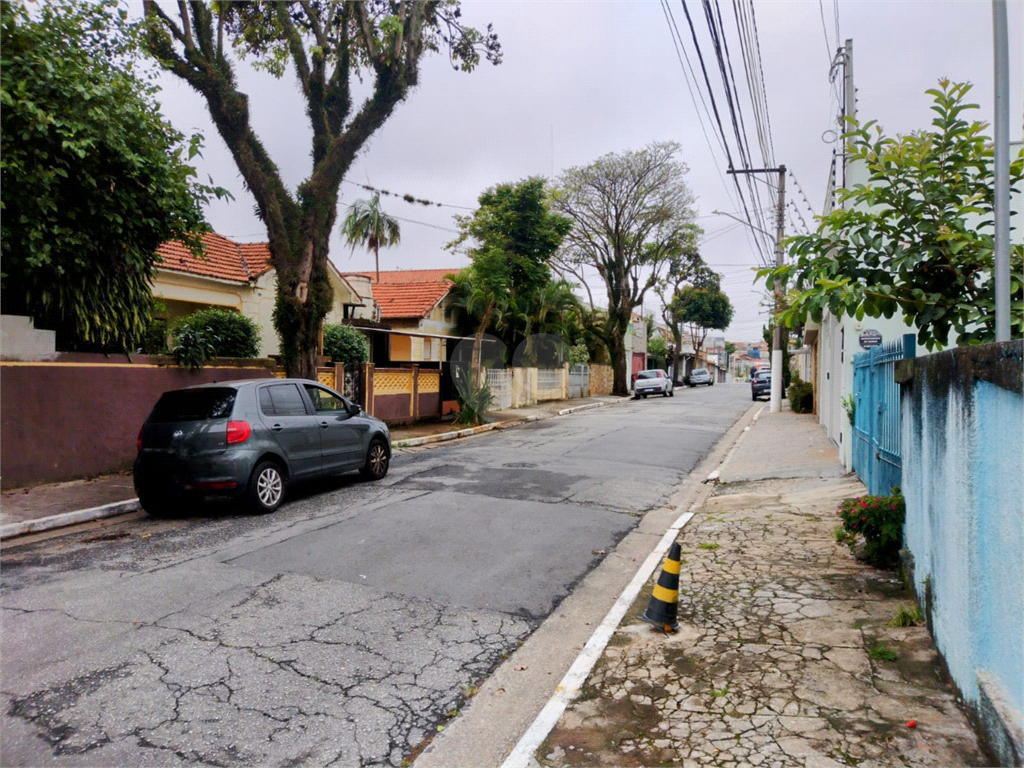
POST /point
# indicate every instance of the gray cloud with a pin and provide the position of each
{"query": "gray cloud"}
(581, 79)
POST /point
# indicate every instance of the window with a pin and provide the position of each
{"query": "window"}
(266, 404)
(194, 405)
(286, 399)
(324, 401)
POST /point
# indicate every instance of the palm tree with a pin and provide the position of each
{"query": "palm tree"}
(366, 224)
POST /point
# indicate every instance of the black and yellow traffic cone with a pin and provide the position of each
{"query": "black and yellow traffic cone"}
(664, 605)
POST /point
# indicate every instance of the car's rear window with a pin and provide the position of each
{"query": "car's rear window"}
(194, 405)
(648, 374)
(700, 371)
(763, 375)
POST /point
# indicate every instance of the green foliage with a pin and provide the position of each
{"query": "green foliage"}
(475, 397)
(801, 395)
(850, 406)
(906, 617)
(917, 238)
(194, 348)
(633, 218)
(657, 347)
(345, 344)
(231, 334)
(94, 178)
(880, 653)
(353, 63)
(367, 225)
(508, 290)
(879, 520)
(701, 307)
(707, 308)
(579, 354)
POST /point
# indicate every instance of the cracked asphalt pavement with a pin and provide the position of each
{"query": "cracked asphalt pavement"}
(346, 629)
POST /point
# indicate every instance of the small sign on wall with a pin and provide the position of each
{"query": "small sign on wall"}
(870, 338)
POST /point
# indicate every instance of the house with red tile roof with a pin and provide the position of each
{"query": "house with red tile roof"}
(414, 301)
(239, 276)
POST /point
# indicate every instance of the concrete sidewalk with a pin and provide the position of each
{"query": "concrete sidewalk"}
(44, 507)
(785, 655)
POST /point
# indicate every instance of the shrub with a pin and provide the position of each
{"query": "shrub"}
(154, 342)
(475, 397)
(879, 521)
(194, 348)
(345, 344)
(232, 334)
(579, 354)
(850, 406)
(801, 395)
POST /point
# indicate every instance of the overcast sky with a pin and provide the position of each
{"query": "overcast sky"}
(581, 79)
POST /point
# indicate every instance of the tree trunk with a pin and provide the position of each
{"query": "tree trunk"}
(304, 297)
(617, 349)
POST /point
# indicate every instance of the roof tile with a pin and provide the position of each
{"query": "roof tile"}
(224, 258)
(409, 293)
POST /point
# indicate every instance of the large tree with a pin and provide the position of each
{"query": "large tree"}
(511, 239)
(702, 307)
(632, 213)
(916, 239)
(684, 269)
(329, 44)
(93, 178)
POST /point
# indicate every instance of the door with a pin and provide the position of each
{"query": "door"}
(283, 411)
(341, 435)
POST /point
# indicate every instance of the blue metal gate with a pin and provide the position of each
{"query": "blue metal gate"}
(876, 428)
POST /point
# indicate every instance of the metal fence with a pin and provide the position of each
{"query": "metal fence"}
(579, 381)
(876, 427)
(549, 378)
(500, 383)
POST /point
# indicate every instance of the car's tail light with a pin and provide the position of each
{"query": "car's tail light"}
(238, 432)
(138, 440)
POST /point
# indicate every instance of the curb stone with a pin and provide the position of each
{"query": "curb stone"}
(12, 530)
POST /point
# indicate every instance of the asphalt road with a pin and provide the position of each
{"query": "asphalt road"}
(346, 627)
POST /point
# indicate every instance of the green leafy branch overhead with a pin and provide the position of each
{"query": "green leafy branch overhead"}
(916, 239)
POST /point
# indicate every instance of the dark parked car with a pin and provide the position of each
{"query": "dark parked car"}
(249, 440)
(761, 384)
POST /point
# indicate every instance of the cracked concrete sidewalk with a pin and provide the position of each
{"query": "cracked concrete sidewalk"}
(785, 654)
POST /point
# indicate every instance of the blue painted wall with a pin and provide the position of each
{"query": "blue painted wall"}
(963, 479)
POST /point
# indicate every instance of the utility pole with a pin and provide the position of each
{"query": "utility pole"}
(1001, 150)
(777, 336)
(849, 98)
(780, 234)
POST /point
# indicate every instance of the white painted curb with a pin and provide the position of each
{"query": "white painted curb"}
(567, 689)
(718, 472)
(68, 518)
(578, 408)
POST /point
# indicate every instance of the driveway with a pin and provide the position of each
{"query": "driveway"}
(348, 626)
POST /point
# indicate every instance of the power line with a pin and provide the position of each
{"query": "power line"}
(406, 197)
(718, 120)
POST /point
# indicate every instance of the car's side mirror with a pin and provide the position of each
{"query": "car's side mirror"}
(354, 409)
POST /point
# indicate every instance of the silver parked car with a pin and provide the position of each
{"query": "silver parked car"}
(701, 376)
(653, 382)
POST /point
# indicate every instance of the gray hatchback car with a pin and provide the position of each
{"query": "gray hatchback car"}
(249, 439)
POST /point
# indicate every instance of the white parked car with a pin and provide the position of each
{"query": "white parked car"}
(653, 382)
(701, 376)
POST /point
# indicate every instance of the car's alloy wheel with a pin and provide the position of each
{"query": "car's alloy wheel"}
(377, 461)
(266, 489)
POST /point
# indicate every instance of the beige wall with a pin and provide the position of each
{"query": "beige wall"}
(184, 293)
